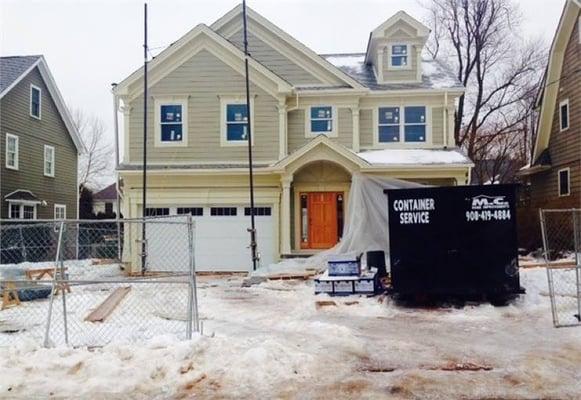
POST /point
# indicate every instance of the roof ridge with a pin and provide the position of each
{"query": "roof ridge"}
(26, 56)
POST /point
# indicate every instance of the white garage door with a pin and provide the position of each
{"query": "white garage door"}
(221, 236)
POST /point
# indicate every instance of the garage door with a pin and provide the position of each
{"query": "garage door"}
(221, 236)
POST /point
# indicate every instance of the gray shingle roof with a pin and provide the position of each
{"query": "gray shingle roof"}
(108, 193)
(21, 195)
(11, 68)
(435, 75)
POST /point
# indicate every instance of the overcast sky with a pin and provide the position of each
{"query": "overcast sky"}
(89, 44)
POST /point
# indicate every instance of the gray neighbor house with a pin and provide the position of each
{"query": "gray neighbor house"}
(39, 144)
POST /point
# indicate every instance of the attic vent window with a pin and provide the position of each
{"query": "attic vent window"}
(399, 55)
(35, 101)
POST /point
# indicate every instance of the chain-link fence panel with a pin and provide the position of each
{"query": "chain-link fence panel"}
(561, 230)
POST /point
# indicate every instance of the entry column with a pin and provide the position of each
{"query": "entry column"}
(285, 226)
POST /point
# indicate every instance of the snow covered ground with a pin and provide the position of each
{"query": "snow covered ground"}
(270, 341)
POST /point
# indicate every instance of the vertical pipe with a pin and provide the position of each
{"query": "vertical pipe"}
(577, 249)
(252, 230)
(190, 280)
(53, 287)
(117, 193)
(144, 183)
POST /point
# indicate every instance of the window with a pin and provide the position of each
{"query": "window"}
(28, 212)
(171, 118)
(234, 127)
(564, 115)
(60, 211)
(392, 128)
(14, 211)
(109, 208)
(223, 211)
(22, 211)
(399, 56)
(48, 161)
(321, 120)
(258, 211)
(195, 211)
(156, 211)
(11, 151)
(35, 101)
(564, 182)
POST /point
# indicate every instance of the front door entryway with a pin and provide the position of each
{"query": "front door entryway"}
(321, 219)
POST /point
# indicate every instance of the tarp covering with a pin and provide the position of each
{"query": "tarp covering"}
(365, 229)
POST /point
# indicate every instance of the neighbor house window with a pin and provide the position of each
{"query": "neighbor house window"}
(60, 211)
(234, 129)
(35, 101)
(171, 122)
(402, 124)
(22, 211)
(564, 182)
(49, 161)
(399, 55)
(321, 120)
(564, 114)
(11, 151)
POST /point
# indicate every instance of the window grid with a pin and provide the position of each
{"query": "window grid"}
(195, 211)
(259, 211)
(35, 101)
(60, 211)
(321, 119)
(236, 119)
(421, 134)
(171, 122)
(223, 211)
(11, 151)
(389, 122)
(156, 211)
(564, 181)
(49, 161)
(399, 55)
(564, 115)
(28, 212)
(14, 211)
(389, 119)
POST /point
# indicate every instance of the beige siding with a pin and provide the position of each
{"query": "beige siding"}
(274, 60)
(404, 74)
(438, 126)
(33, 134)
(204, 78)
(345, 120)
(366, 127)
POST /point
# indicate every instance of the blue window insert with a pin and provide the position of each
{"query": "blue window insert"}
(236, 122)
(171, 123)
(415, 124)
(389, 122)
(35, 102)
(399, 55)
(321, 119)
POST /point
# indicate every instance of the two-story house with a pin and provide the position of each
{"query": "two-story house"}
(315, 119)
(554, 176)
(39, 144)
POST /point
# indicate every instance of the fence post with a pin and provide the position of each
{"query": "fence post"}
(577, 250)
(54, 282)
(62, 287)
(547, 266)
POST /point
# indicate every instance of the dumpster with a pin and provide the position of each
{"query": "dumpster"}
(458, 240)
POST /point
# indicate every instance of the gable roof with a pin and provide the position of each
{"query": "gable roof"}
(108, 193)
(551, 79)
(236, 12)
(193, 34)
(14, 69)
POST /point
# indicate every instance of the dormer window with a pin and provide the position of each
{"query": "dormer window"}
(399, 54)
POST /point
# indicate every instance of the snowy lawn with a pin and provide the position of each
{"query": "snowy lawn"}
(270, 341)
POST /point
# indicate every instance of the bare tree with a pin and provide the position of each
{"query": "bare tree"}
(481, 39)
(97, 161)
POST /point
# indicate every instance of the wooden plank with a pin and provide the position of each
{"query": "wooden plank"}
(100, 313)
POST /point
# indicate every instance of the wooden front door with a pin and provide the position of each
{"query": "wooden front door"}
(322, 230)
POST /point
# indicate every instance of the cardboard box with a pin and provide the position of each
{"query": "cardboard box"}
(344, 265)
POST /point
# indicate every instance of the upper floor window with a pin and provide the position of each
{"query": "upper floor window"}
(35, 101)
(322, 120)
(234, 127)
(564, 181)
(392, 128)
(564, 115)
(49, 161)
(171, 122)
(11, 151)
(60, 211)
(398, 57)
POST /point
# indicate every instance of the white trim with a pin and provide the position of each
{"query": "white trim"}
(16, 156)
(561, 104)
(21, 205)
(170, 101)
(34, 87)
(334, 122)
(402, 142)
(224, 102)
(51, 173)
(409, 60)
(568, 170)
(60, 206)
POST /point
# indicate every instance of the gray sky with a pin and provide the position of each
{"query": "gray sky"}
(89, 44)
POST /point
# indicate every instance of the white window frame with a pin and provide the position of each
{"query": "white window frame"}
(566, 104)
(568, 170)
(51, 173)
(20, 205)
(334, 121)
(16, 155)
(62, 207)
(224, 102)
(171, 101)
(402, 142)
(34, 87)
(408, 54)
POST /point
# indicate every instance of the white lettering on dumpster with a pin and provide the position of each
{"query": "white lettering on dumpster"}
(414, 211)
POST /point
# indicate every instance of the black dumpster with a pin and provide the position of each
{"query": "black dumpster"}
(458, 240)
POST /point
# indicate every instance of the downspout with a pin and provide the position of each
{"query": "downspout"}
(117, 191)
(445, 119)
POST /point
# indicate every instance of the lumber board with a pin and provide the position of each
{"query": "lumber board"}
(105, 309)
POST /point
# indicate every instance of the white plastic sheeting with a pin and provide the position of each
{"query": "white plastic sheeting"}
(366, 226)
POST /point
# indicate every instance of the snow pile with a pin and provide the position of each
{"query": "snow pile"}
(355, 61)
(414, 157)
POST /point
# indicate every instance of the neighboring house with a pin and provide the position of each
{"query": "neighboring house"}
(554, 177)
(105, 200)
(316, 120)
(39, 144)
